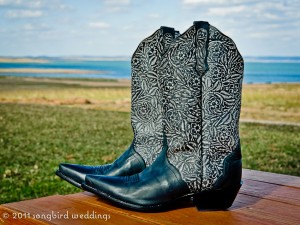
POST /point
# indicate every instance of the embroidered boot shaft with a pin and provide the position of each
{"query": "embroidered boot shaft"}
(146, 108)
(221, 105)
(146, 115)
(202, 105)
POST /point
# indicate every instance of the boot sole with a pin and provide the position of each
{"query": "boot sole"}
(68, 179)
(142, 208)
(209, 200)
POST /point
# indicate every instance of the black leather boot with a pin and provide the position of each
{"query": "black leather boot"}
(200, 78)
(146, 115)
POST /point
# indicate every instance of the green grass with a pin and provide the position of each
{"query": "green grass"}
(34, 139)
(272, 148)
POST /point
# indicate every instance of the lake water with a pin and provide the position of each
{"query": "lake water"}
(255, 72)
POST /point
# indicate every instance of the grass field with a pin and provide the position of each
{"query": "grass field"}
(36, 138)
(42, 125)
(274, 102)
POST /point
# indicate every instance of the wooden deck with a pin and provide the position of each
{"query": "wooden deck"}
(265, 198)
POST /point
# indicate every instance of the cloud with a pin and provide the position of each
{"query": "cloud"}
(117, 2)
(99, 25)
(271, 16)
(22, 3)
(259, 35)
(117, 5)
(35, 27)
(24, 14)
(34, 4)
(198, 2)
(6, 2)
(28, 27)
(154, 15)
(223, 11)
(127, 28)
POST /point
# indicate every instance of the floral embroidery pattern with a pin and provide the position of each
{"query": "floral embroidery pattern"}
(221, 88)
(180, 85)
(146, 112)
(200, 78)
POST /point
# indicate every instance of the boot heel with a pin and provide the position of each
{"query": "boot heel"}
(216, 199)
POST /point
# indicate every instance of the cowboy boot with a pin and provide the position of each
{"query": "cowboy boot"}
(200, 77)
(146, 117)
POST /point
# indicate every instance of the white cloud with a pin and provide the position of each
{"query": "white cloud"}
(28, 27)
(271, 16)
(99, 25)
(34, 4)
(117, 2)
(35, 27)
(3, 2)
(2, 30)
(196, 2)
(25, 4)
(117, 5)
(154, 15)
(24, 13)
(259, 35)
(127, 28)
(223, 11)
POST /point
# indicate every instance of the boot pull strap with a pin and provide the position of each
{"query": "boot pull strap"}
(169, 30)
(203, 25)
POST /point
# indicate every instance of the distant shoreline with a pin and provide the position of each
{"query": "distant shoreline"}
(45, 59)
(256, 70)
(49, 71)
(22, 60)
(121, 82)
(48, 59)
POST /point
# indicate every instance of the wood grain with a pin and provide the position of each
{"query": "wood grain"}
(265, 198)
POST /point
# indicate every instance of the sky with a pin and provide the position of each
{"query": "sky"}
(116, 27)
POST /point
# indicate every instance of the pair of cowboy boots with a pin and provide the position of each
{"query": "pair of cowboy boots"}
(186, 99)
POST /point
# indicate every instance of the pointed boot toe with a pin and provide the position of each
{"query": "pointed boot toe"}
(75, 174)
(128, 163)
(154, 189)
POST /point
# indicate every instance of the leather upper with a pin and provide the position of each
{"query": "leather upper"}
(130, 162)
(157, 184)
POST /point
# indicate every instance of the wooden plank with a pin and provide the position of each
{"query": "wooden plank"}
(8, 217)
(273, 212)
(270, 191)
(272, 178)
(181, 213)
(60, 210)
(264, 198)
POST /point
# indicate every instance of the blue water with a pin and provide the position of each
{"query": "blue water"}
(255, 72)
(108, 69)
(271, 72)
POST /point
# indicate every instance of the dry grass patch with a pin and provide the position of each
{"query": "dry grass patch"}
(274, 102)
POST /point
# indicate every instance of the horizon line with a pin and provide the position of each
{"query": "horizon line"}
(126, 56)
